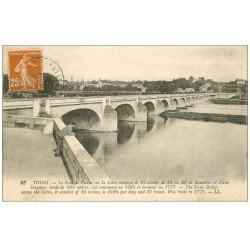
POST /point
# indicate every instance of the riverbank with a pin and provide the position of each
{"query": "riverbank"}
(208, 117)
(28, 155)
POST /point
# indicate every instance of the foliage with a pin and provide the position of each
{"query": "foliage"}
(5, 83)
(50, 84)
(245, 88)
(53, 88)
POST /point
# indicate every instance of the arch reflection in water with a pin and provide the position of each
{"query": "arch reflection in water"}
(150, 123)
(101, 145)
(156, 123)
(89, 140)
(125, 131)
(97, 144)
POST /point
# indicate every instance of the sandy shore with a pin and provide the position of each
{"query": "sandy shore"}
(28, 154)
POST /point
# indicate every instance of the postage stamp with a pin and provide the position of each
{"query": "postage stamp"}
(25, 70)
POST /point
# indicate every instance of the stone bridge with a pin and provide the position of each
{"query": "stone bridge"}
(102, 113)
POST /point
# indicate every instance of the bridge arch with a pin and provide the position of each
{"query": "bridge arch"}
(86, 119)
(165, 102)
(125, 111)
(188, 100)
(150, 107)
(193, 99)
(183, 100)
(175, 102)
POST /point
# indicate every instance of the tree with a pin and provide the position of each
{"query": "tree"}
(5, 83)
(90, 88)
(50, 84)
(196, 86)
(202, 80)
(244, 88)
(191, 79)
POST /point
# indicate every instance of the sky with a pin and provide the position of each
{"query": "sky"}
(220, 63)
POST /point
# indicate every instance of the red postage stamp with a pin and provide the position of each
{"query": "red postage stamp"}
(25, 70)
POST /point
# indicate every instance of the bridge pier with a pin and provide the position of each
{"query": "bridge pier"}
(159, 107)
(188, 102)
(172, 105)
(36, 108)
(193, 100)
(109, 120)
(181, 103)
(47, 107)
(41, 106)
(140, 113)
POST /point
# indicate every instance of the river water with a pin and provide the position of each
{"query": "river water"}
(172, 149)
(219, 109)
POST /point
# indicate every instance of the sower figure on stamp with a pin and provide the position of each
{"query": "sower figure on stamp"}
(22, 67)
(68, 130)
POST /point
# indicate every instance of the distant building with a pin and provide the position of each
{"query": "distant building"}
(66, 82)
(143, 89)
(240, 82)
(189, 90)
(99, 84)
(105, 83)
(180, 90)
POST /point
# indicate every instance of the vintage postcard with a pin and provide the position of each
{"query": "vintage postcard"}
(124, 123)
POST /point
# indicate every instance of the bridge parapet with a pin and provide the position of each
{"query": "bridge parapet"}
(79, 163)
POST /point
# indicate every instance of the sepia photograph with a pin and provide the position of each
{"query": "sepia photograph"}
(124, 125)
(130, 123)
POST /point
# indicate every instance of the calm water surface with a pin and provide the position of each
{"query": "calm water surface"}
(218, 109)
(171, 149)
